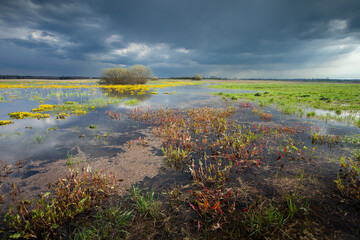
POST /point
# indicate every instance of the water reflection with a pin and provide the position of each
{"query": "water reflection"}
(126, 94)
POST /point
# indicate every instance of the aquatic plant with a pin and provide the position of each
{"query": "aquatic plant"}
(55, 213)
(37, 138)
(43, 108)
(310, 114)
(264, 116)
(5, 122)
(22, 115)
(69, 159)
(131, 102)
(348, 179)
(62, 115)
(212, 205)
(79, 112)
(329, 140)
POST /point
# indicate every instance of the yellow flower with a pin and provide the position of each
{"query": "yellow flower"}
(5, 122)
(43, 108)
(22, 115)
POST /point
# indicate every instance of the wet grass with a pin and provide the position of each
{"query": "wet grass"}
(108, 223)
(131, 102)
(291, 97)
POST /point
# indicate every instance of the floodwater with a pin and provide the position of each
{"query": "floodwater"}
(47, 144)
(34, 139)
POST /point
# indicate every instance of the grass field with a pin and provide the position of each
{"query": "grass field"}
(341, 99)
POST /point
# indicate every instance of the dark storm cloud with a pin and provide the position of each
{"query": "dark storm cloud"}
(180, 36)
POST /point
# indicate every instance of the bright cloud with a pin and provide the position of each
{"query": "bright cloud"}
(281, 39)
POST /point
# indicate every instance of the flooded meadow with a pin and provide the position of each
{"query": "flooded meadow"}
(171, 160)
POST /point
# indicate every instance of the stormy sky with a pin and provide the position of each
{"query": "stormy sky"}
(230, 38)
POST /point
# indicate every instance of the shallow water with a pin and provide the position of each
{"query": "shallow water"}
(46, 149)
(30, 139)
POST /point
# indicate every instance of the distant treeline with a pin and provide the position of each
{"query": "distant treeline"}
(42, 77)
(211, 77)
(214, 78)
(180, 78)
(274, 79)
(307, 79)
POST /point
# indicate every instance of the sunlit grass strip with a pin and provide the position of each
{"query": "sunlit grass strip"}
(342, 100)
(328, 96)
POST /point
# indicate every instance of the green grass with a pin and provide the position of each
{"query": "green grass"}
(145, 203)
(37, 138)
(69, 161)
(131, 102)
(288, 96)
(108, 223)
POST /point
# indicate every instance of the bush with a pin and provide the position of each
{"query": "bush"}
(137, 74)
(197, 77)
